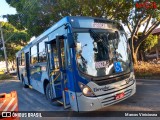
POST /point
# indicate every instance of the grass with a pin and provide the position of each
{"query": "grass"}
(147, 70)
(4, 76)
(1, 72)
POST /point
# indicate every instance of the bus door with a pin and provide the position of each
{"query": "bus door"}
(58, 79)
(27, 67)
(61, 55)
(63, 45)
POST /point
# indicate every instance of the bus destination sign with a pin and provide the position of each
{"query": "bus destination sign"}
(100, 25)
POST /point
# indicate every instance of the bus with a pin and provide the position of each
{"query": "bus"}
(84, 63)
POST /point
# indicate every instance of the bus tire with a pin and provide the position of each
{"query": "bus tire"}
(23, 83)
(49, 94)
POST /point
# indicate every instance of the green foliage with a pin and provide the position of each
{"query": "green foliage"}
(150, 42)
(5, 76)
(143, 17)
(38, 15)
(1, 72)
(14, 39)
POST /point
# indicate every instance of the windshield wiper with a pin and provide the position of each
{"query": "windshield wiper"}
(94, 35)
(97, 38)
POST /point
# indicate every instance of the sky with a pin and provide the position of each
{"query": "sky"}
(5, 9)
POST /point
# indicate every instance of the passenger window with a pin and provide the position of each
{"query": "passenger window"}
(22, 59)
(62, 53)
(56, 61)
(55, 53)
(19, 60)
(42, 52)
(34, 54)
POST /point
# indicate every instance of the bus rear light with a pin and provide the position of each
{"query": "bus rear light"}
(86, 90)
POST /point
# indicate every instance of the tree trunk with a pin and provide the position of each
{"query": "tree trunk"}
(157, 54)
(142, 56)
(134, 58)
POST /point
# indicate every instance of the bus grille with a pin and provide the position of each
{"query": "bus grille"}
(111, 80)
(111, 100)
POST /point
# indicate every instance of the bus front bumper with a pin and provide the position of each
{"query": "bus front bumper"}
(95, 103)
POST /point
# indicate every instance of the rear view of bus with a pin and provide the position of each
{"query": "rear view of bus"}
(103, 63)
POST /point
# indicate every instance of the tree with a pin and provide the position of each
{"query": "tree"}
(147, 44)
(150, 42)
(14, 40)
(142, 16)
(38, 15)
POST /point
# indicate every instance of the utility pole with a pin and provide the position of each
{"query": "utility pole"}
(4, 48)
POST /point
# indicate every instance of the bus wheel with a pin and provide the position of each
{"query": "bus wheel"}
(49, 93)
(23, 83)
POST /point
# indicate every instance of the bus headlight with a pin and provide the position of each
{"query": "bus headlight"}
(86, 90)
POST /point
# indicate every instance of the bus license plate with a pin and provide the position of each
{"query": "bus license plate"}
(119, 96)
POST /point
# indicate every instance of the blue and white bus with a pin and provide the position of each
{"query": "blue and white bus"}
(82, 62)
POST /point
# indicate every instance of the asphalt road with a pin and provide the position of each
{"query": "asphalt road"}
(147, 98)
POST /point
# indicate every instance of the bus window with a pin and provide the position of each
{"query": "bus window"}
(42, 52)
(22, 58)
(56, 61)
(19, 59)
(34, 54)
(55, 52)
(62, 53)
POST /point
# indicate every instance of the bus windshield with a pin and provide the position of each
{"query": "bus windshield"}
(102, 52)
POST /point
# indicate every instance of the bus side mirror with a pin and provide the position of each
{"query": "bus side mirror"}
(71, 42)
